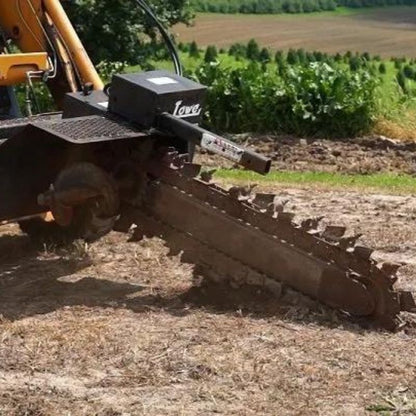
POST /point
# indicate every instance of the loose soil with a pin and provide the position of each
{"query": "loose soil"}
(119, 328)
(363, 155)
(386, 32)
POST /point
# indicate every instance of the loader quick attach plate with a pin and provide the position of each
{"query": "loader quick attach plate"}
(89, 129)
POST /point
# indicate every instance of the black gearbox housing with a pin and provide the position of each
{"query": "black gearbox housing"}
(140, 98)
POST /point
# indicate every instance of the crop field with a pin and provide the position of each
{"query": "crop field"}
(386, 32)
(118, 328)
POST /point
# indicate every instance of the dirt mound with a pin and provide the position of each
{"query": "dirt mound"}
(360, 155)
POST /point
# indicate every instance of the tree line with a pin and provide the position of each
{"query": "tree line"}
(287, 6)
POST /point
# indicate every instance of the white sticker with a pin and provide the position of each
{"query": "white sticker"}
(222, 147)
(162, 81)
(103, 104)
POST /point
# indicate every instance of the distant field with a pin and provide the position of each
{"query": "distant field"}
(387, 32)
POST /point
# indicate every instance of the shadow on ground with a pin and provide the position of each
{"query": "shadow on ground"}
(32, 284)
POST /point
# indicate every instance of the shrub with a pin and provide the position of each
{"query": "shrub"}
(210, 54)
(193, 50)
(409, 72)
(292, 57)
(314, 99)
(401, 80)
(108, 69)
(264, 55)
(382, 68)
(253, 50)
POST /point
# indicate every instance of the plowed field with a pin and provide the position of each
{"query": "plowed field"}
(387, 32)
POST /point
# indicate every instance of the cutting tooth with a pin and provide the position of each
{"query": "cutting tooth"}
(407, 302)
(174, 251)
(263, 201)
(277, 207)
(170, 157)
(286, 216)
(207, 175)
(390, 268)
(241, 193)
(349, 242)
(123, 225)
(235, 192)
(138, 235)
(191, 170)
(307, 225)
(180, 160)
(334, 233)
(311, 223)
(363, 252)
(246, 192)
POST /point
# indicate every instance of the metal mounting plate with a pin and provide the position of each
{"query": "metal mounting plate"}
(89, 129)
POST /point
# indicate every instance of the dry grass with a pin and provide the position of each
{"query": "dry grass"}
(403, 131)
(117, 328)
(387, 32)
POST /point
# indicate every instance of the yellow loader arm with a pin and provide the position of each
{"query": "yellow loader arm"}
(50, 47)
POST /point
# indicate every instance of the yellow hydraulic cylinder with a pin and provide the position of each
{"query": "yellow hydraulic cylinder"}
(70, 38)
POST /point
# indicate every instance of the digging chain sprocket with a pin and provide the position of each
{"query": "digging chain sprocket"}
(247, 238)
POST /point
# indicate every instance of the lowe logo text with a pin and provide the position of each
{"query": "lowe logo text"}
(183, 111)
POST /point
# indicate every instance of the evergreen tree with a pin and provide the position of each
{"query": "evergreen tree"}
(355, 63)
(279, 58)
(210, 54)
(193, 50)
(401, 80)
(302, 56)
(253, 50)
(409, 72)
(292, 57)
(382, 68)
(264, 55)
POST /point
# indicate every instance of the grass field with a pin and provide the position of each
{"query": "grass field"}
(387, 32)
(385, 182)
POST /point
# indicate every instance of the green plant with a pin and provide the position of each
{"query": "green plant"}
(210, 54)
(193, 50)
(253, 50)
(264, 55)
(108, 69)
(313, 99)
(118, 31)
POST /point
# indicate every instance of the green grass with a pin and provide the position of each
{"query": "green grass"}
(386, 182)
